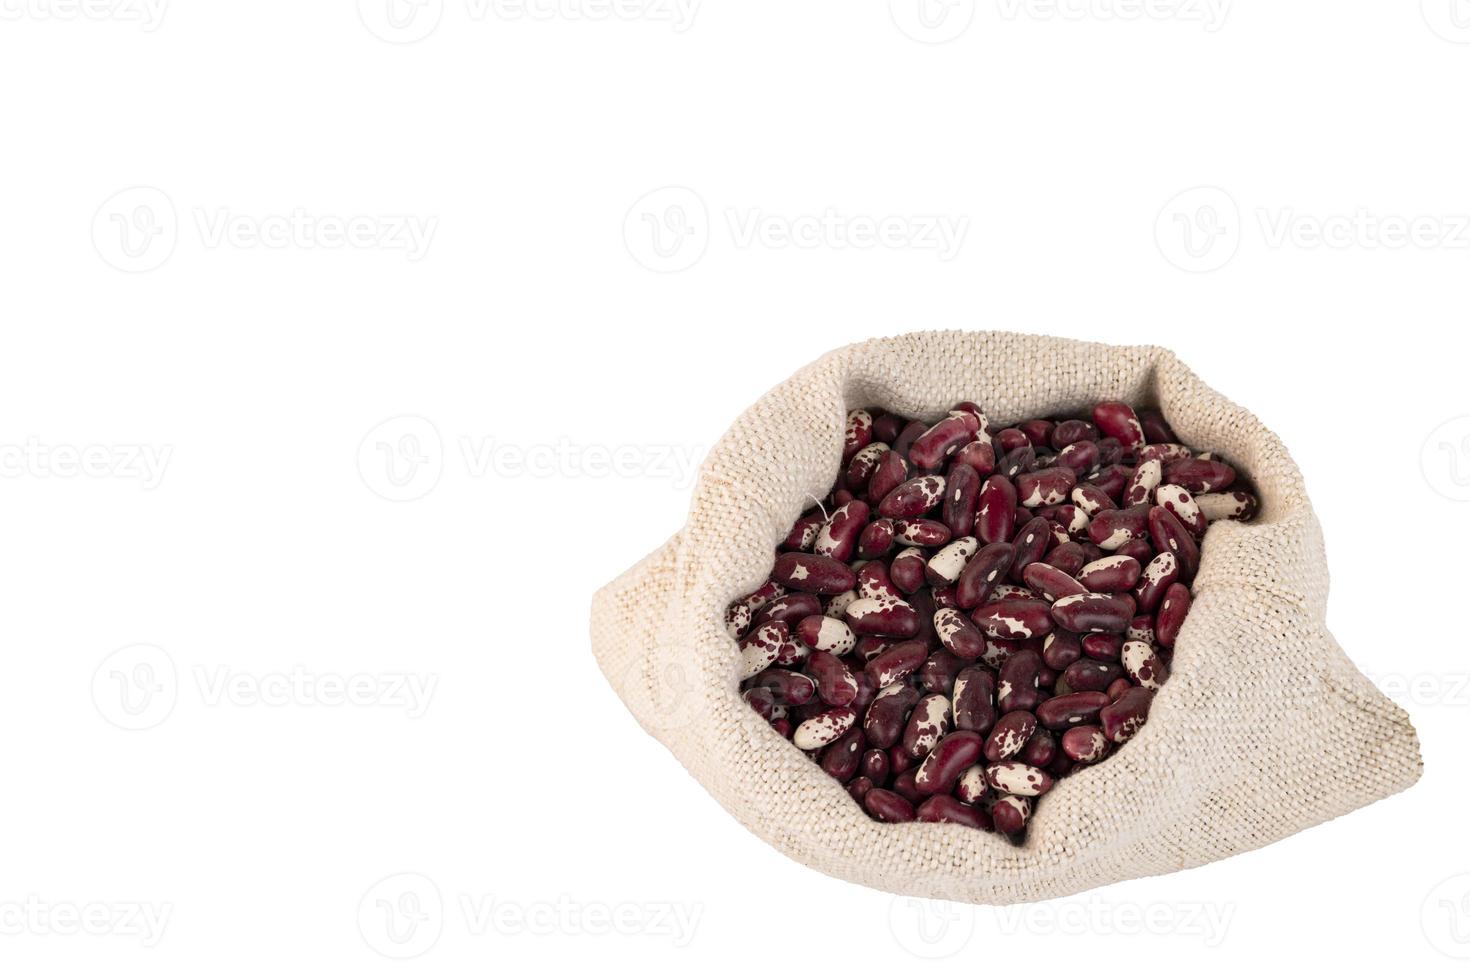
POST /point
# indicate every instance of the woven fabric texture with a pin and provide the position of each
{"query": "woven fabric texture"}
(1265, 727)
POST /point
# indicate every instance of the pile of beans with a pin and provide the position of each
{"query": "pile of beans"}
(974, 613)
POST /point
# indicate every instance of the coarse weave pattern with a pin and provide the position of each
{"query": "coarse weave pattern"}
(1264, 728)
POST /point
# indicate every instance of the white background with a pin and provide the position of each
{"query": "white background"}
(195, 374)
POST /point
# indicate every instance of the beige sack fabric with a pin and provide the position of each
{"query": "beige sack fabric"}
(1264, 728)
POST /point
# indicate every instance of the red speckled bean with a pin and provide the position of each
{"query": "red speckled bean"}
(913, 498)
(936, 443)
(1171, 614)
(996, 517)
(1199, 475)
(958, 634)
(929, 722)
(1066, 710)
(801, 572)
(973, 703)
(1118, 420)
(1010, 735)
(1122, 719)
(955, 753)
(888, 807)
(897, 662)
(1016, 619)
(1115, 573)
(1093, 612)
(947, 809)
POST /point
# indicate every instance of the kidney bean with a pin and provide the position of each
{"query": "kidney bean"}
(838, 537)
(1066, 710)
(1155, 429)
(913, 498)
(737, 619)
(1111, 528)
(887, 426)
(803, 533)
(1109, 452)
(1010, 735)
(889, 473)
(1233, 505)
(1144, 665)
(1020, 460)
(1046, 487)
(1112, 480)
(936, 443)
(762, 700)
(945, 567)
(1141, 550)
(1069, 557)
(1080, 457)
(1049, 582)
(989, 565)
(1010, 815)
(859, 432)
(834, 606)
(863, 464)
(1162, 572)
(971, 787)
(1031, 543)
(1090, 500)
(937, 675)
(1070, 431)
(883, 617)
(841, 759)
(1015, 619)
(1118, 420)
(1037, 431)
(875, 766)
(876, 539)
(978, 455)
(1169, 535)
(886, 806)
(1172, 610)
(1090, 675)
(1011, 439)
(1017, 778)
(836, 684)
(925, 606)
(973, 701)
(826, 634)
(906, 437)
(947, 809)
(801, 572)
(1017, 690)
(1115, 573)
(1180, 502)
(823, 729)
(1040, 751)
(859, 788)
(903, 785)
(958, 634)
(1122, 719)
(928, 723)
(1102, 646)
(954, 753)
(1199, 475)
(995, 518)
(884, 721)
(897, 662)
(1145, 480)
(1085, 743)
(1093, 612)
(1142, 628)
(905, 575)
(761, 647)
(786, 686)
(1061, 649)
(920, 532)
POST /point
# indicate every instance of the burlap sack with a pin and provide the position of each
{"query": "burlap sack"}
(1264, 728)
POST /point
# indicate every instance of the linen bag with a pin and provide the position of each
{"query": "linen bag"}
(1264, 728)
